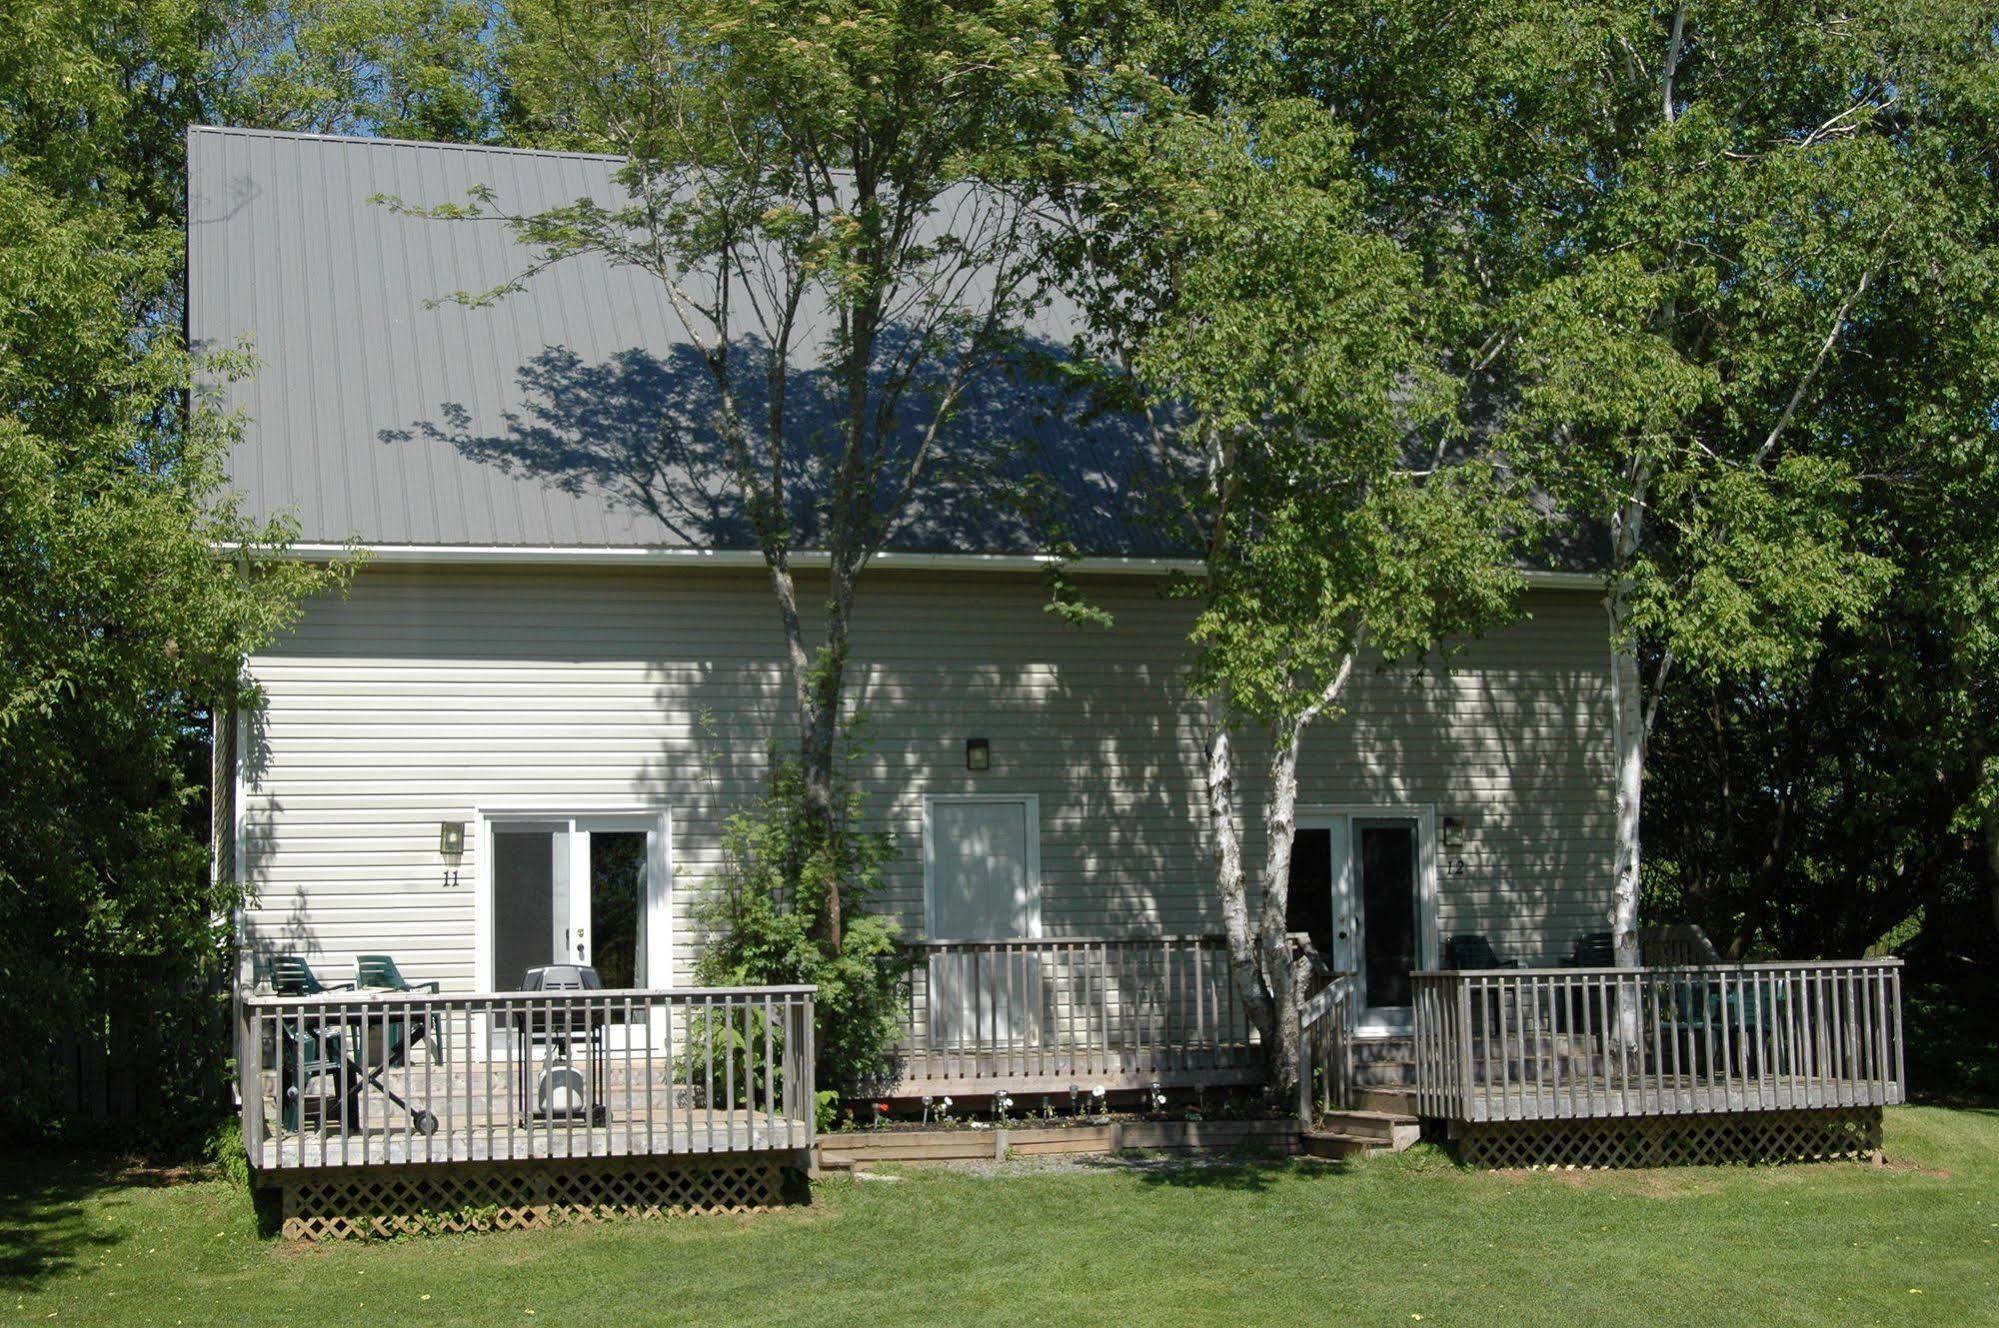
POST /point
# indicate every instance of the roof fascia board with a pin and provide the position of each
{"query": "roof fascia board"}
(461, 555)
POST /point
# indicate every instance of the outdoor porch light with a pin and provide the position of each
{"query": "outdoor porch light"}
(451, 838)
(1454, 832)
(978, 754)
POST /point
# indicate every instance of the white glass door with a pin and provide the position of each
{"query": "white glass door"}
(1375, 865)
(532, 905)
(587, 890)
(1383, 866)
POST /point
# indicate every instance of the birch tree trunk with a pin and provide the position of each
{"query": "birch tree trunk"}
(1627, 728)
(1268, 979)
(1627, 724)
(1627, 686)
(1273, 937)
(1627, 717)
(1231, 881)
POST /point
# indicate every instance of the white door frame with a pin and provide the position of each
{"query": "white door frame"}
(1030, 803)
(1339, 819)
(655, 821)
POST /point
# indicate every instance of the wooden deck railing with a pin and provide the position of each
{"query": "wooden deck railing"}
(1541, 1044)
(1325, 1049)
(397, 1078)
(1043, 1014)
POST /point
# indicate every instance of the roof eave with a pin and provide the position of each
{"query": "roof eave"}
(513, 555)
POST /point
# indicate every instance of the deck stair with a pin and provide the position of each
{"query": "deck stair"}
(1388, 1062)
(1394, 1101)
(1360, 1133)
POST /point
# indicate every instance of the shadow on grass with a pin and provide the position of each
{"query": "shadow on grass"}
(54, 1206)
(51, 1212)
(1980, 1110)
(1239, 1172)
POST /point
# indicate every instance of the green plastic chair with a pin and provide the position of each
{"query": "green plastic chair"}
(1470, 950)
(292, 976)
(379, 971)
(1594, 949)
(308, 1047)
(401, 1034)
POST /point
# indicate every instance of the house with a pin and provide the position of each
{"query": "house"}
(515, 742)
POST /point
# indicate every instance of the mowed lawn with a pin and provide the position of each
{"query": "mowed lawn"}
(1397, 1240)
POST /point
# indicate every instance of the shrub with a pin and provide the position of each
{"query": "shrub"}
(762, 924)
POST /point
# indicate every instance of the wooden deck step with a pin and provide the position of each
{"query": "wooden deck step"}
(1388, 1062)
(1395, 1101)
(1390, 1130)
(1332, 1146)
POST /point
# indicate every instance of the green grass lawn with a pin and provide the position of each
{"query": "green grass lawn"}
(1397, 1240)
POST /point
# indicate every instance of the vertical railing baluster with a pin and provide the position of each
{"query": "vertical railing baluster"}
(673, 1008)
(1895, 1010)
(1766, 1040)
(1103, 1008)
(1699, 996)
(1201, 1039)
(708, 1048)
(1461, 990)
(1815, 1088)
(1016, 1011)
(1881, 1035)
(250, 1075)
(1547, 1065)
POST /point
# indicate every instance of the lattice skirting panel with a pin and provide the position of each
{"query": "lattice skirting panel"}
(396, 1201)
(1664, 1141)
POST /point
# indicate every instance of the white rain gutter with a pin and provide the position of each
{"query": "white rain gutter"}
(501, 555)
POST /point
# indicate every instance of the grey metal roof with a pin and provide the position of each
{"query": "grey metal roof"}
(377, 416)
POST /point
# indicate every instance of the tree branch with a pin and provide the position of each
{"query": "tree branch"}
(1674, 46)
(1811, 374)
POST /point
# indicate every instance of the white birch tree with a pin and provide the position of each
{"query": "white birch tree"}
(1301, 376)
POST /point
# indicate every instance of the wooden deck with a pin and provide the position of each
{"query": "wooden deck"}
(1043, 1015)
(1685, 1040)
(401, 1079)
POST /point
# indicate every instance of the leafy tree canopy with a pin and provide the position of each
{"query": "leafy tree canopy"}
(119, 623)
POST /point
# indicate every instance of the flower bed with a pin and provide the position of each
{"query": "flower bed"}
(1040, 1138)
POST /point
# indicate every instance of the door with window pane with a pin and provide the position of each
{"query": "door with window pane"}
(1384, 853)
(1357, 891)
(579, 890)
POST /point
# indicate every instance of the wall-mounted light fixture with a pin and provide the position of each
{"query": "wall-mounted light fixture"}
(451, 847)
(1454, 832)
(978, 754)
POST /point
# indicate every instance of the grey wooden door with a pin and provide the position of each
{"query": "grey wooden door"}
(982, 883)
